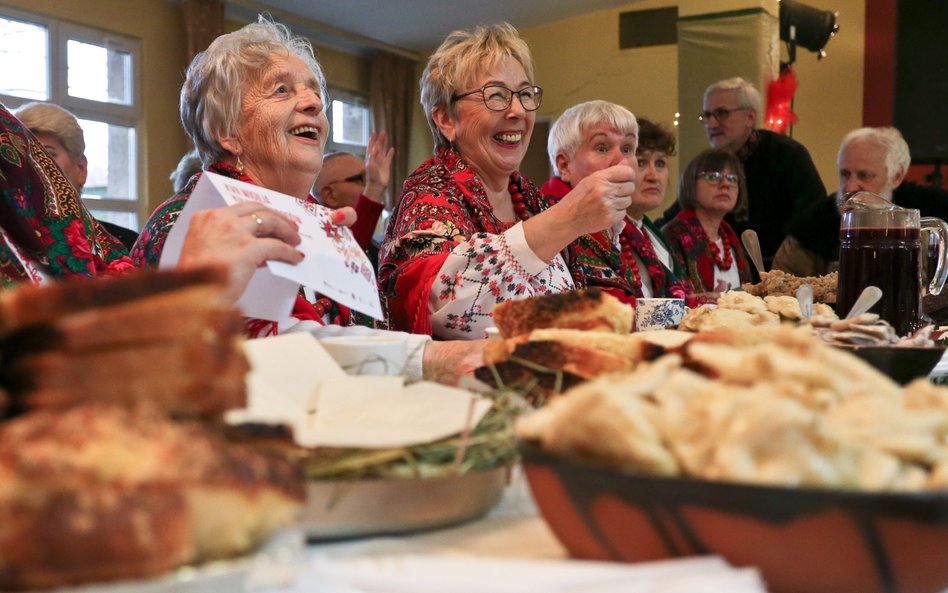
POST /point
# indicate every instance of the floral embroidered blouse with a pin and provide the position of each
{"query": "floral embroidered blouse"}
(45, 231)
(310, 310)
(447, 259)
(602, 264)
(692, 250)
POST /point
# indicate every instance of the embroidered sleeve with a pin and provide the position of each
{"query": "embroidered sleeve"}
(486, 270)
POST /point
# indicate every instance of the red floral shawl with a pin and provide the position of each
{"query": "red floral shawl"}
(690, 248)
(42, 219)
(443, 203)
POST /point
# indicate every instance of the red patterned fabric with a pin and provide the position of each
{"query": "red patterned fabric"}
(45, 231)
(691, 249)
(444, 205)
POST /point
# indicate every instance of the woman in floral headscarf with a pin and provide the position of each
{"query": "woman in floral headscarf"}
(702, 242)
(45, 232)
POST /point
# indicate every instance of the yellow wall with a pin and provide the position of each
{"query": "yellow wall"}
(576, 60)
(159, 26)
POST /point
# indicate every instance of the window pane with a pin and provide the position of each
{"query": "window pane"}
(98, 73)
(23, 55)
(110, 150)
(350, 123)
(128, 220)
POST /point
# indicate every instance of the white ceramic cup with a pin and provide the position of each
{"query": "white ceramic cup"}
(368, 355)
(655, 314)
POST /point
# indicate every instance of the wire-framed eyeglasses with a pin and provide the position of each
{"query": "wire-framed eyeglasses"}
(719, 114)
(717, 177)
(497, 97)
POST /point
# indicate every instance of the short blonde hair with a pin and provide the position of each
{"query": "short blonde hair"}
(460, 59)
(566, 133)
(213, 90)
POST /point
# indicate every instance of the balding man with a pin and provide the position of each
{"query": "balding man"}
(781, 177)
(345, 180)
(869, 159)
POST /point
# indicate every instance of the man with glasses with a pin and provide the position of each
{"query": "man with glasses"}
(347, 180)
(781, 177)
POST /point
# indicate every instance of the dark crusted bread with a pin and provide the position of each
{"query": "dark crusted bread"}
(34, 304)
(590, 309)
(102, 492)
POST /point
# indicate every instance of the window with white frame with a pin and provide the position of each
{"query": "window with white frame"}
(350, 122)
(93, 73)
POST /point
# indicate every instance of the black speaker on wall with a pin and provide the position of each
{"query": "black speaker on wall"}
(921, 78)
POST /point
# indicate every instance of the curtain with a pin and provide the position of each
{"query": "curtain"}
(204, 22)
(392, 89)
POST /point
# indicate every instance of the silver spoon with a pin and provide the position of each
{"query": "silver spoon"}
(870, 296)
(752, 245)
(804, 294)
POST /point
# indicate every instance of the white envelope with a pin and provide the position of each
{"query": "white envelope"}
(334, 264)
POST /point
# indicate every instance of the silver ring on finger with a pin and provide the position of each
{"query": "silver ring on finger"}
(259, 230)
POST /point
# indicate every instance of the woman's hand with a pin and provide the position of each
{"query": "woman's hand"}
(447, 362)
(241, 238)
(595, 204)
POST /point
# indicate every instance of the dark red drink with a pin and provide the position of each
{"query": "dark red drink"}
(887, 258)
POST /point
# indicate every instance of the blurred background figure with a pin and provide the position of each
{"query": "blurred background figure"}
(59, 132)
(869, 159)
(347, 180)
(593, 136)
(779, 173)
(189, 164)
(703, 243)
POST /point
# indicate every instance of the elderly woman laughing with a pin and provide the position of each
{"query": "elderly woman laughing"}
(469, 231)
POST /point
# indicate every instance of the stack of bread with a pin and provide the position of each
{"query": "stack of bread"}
(553, 342)
(161, 337)
(113, 464)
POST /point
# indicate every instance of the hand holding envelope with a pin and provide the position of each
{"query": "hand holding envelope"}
(333, 264)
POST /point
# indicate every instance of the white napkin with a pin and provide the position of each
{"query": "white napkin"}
(466, 574)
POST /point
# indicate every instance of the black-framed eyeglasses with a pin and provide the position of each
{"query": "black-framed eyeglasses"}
(717, 177)
(719, 114)
(497, 97)
(357, 178)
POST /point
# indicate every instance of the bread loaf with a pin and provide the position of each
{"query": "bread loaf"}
(590, 309)
(100, 492)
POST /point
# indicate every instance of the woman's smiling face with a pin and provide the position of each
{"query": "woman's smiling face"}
(283, 127)
(492, 142)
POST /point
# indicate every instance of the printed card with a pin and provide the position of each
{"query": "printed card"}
(334, 264)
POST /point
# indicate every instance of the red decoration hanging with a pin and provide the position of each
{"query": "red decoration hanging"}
(780, 115)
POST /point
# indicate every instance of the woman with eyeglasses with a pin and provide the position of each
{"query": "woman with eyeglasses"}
(702, 242)
(469, 231)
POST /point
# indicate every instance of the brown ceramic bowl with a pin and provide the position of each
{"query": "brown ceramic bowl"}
(903, 365)
(803, 540)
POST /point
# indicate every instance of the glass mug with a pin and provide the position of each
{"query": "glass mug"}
(880, 245)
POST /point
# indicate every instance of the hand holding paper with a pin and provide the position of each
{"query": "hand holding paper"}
(333, 263)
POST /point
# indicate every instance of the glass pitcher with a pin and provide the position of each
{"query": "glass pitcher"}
(880, 245)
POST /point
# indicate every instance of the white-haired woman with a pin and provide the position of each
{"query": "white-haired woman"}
(252, 103)
(469, 231)
(593, 136)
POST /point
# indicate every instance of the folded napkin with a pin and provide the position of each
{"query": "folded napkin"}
(467, 574)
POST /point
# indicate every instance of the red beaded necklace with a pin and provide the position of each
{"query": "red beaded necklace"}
(723, 264)
(322, 306)
(625, 241)
(516, 196)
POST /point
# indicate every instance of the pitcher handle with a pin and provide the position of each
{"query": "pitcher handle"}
(940, 228)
